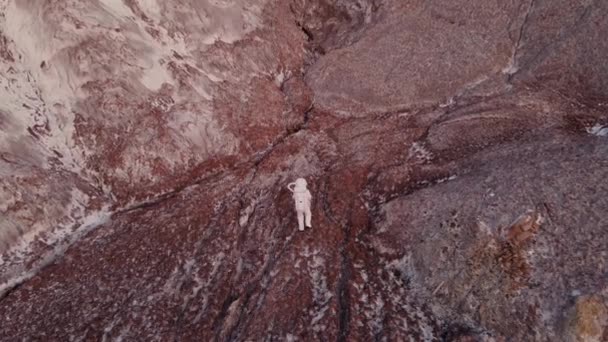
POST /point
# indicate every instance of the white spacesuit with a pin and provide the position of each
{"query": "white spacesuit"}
(302, 198)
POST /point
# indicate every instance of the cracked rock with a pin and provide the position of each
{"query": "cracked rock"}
(456, 151)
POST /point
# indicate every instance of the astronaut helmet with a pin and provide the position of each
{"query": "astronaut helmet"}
(300, 185)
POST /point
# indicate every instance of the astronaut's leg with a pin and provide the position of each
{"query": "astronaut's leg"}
(308, 217)
(301, 220)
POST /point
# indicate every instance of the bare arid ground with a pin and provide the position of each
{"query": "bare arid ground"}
(456, 152)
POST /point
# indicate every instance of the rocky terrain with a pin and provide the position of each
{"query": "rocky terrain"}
(456, 151)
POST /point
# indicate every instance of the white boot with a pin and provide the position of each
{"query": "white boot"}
(300, 220)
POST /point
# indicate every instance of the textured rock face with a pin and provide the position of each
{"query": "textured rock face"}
(456, 151)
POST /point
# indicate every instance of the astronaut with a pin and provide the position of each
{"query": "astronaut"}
(302, 198)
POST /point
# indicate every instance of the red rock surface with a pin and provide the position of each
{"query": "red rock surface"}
(456, 152)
